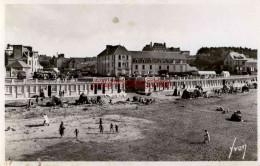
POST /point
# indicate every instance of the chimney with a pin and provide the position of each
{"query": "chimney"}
(107, 48)
(151, 44)
(164, 44)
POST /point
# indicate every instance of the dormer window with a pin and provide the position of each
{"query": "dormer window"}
(135, 60)
(150, 60)
(143, 60)
(173, 61)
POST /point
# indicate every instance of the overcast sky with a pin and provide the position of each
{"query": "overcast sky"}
(85, 30)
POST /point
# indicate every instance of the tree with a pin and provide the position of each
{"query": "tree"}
(46, 64)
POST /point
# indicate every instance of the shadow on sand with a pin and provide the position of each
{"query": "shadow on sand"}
(35, 125)
(197, 142)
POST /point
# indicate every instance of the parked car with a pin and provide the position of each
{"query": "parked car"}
(38, 75)
(21, 75)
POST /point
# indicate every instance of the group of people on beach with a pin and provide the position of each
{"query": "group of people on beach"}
(101, 128)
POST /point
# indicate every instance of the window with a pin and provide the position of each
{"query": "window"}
(29, 62)
(136, 66)
(143, 60)
(119, 64)
(8, 90)
(81, 87)
(174, 68)
(143, 67)
(119, 56)
(136, 61)
(32, 89)
(72, 87)
(53, 88)
(127, 57)
(173, 61)
(160, 67)
(19, 89)
(151, 67)
(150, 60)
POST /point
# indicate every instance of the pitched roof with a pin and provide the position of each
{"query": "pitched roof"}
(113, 50)
(78, 60)
(251, 60)
(191, 68)
(207, 72)
(225, 72)
(18, 64)
(237, 56)
(118, 49)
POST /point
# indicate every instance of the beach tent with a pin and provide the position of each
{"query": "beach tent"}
(225, 73)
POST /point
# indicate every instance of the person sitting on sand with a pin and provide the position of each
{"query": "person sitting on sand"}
(206, 137)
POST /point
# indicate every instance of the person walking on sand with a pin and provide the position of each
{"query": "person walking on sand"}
(111, 127)
(100, 121)
(62, 128)
(206, 137)
(76, 133)
(101, 128)
(116, 128)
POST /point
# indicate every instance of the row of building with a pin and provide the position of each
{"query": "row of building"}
(24, 58)
(19, 57)
(117, 60)
(154, 59)
(239, 63)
